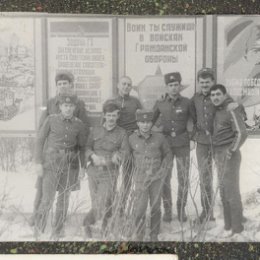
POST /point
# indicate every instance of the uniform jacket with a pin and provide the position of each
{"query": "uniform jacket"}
(60, 145)
(229, 126)
(150, 155)
(128, 106)
(105, 143)
(53, 108)
(202, 111)
(174, 117)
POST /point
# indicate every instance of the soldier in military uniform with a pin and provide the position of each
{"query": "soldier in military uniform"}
(203, 112)
(59, 148)
(152, 161)
(64, 84)
(128, 106)
(107, 148)
(174, 112)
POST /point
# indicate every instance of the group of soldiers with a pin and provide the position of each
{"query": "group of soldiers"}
(140, 145)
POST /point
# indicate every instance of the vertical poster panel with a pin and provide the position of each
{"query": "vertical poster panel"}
(82, 46)
(156, 46)
(238, 62)
(17, 75)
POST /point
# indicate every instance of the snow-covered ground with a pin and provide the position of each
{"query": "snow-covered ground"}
(17, 191)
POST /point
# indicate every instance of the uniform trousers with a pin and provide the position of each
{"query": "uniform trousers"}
(145, 193)
(102, 183)
(204, 159)
(59, 174)
(182, 155)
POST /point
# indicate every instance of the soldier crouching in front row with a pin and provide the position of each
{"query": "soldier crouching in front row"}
(107, 148)
(63, 136)
(152, 161)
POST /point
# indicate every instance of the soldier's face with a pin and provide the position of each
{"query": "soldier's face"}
(111, 118)
(124, 86)
(173, 88)
(145, 126)
(63, 85)
(205, 85)
(67, 109)
(217, 97)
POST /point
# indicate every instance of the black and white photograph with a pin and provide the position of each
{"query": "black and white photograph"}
(129, 128)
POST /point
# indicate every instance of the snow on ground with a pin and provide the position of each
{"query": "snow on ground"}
(17, 192)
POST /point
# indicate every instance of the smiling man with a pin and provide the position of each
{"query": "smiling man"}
(228, 136)
(107, 148)
(203, 114)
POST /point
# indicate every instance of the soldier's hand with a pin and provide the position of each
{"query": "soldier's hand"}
(229, 154)
(116, 158)
(39, 169)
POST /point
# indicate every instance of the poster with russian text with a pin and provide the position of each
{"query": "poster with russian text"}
(160, 46)
(238, 63)
(17, 74)
(82, 46)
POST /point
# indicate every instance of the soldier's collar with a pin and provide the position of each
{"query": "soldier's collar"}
(201, 94)
(141, 136)
(111, 129)
(124, 97)
(178, 97)
(68, 119)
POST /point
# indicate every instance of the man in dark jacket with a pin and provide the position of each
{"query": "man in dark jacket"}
(59, 148)
(228, 136)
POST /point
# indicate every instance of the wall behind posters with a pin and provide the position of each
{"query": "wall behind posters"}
(156, 46)
(20, 39)
(238, 62)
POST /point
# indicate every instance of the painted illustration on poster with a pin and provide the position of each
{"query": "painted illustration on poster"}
(238, 62)
(17, 73)
(83, 47)
(160, 46)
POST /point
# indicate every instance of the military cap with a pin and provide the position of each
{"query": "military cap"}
(205, 72)
(110, 106)
(144, 115)
(67, 97)
(172, 77)
(64, 75)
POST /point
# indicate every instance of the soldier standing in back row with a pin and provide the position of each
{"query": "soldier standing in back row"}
(128, 106)
(174, 110)
(203, 112)
(64, 84)
(59, 148)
